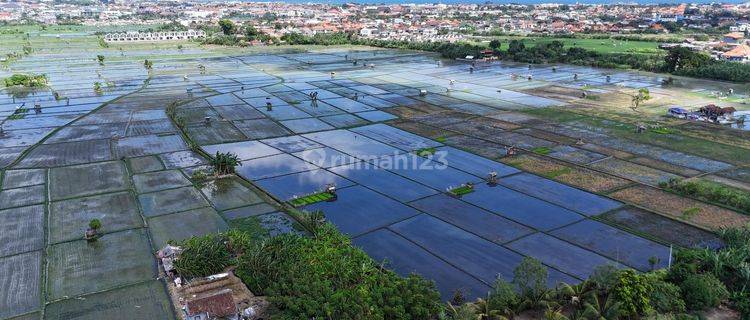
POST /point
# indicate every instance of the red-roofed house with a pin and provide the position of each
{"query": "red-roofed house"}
(740, 53)
(734, 37)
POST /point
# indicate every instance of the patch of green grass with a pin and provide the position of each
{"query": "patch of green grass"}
(425, 152)
(663, 130)
(16, 116)
(462, 190)
(556, 173)
(598, 45)
(710, 191)
(592, 97)
(310, 199)
(554, 114)
(441, 139)
(541, 150)
(690, 212)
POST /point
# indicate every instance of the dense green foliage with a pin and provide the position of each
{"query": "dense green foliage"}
(682, 61)
(699, 279)
(210, 254)
(225, 163)
(664, 297)
(702, 291)
(223, 40)
(26, 80)
(632, 290)
(711, 191)
(325, 277)
(227, 27)
(731, 265)
(253, 34)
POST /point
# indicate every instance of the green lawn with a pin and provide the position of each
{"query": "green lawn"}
(598, 45)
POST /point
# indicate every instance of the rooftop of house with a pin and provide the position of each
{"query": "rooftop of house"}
(741, 51)
(735, 35)
(215, 304)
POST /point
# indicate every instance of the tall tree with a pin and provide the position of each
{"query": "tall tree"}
(227, 26)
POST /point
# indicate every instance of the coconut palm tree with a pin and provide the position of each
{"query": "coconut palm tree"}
(463, 312)
(610, 309)
(574, 294)
(485, 311)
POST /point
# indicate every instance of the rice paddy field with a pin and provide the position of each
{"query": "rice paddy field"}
(574, 185)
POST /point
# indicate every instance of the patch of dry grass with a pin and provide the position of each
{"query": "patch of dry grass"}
(578, 177)
(693, 211)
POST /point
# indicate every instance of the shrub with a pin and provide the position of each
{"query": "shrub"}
(225, 163)
(530, 276)
(26, 80)
(632, 290)
(741, 302)
(664, 296)
(95, 224)
(503, 297)
(703, 291)
(604, 277)
(325, 277)
(203, 256)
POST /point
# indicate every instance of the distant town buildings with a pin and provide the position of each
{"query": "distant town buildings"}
(407, 22)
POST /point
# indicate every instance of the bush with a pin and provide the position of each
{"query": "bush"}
(632, 290)
(530, 276)
(604, 277)
(664, 296)
(26, 80)
(325, 277)
(703, 291)
(741, 302)
(203, 256)
(503, 297)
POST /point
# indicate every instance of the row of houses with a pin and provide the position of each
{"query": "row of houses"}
(132, 36)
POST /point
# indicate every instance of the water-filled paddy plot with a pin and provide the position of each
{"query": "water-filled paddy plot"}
(390, 152)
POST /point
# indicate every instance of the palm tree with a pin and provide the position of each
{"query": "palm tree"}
(610, 310)
(574, 294)
(554, 314)
(485, 311)
(462, 312)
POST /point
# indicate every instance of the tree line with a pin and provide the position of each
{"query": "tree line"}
(678, 60)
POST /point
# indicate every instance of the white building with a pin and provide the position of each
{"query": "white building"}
(154, 36)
